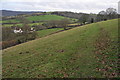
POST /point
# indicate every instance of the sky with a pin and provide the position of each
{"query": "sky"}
(85, 6)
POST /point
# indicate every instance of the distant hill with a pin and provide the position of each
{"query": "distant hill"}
(14, 13)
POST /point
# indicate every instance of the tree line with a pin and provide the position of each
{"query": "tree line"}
(109, 13)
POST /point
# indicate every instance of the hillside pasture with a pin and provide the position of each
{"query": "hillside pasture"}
(44, 18)
(47, 32)
(88, 51)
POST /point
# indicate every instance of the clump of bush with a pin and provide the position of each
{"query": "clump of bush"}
(9, 38)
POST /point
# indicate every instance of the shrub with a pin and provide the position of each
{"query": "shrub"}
(6, 44)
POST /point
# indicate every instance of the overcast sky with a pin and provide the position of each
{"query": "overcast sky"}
(86, 6)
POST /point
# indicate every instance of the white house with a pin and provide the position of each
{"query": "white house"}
(18, 31)
(32, 29)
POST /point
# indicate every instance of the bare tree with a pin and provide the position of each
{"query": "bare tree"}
(84, 18)
(111, 13)
(7, 33)
(102, 15)
(64, 23)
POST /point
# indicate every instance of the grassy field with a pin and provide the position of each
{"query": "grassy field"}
(38, 18)
(10, 21)
(44, 18)
(20, 24)
(46, 32)
(82, 52)
(9, 25)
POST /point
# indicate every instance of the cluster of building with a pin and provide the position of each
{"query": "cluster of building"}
(19, 30)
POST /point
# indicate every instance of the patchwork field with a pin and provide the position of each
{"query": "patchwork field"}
(44, 18)
(20, 24)
(82, 52)
(41, 18)
(10, 21)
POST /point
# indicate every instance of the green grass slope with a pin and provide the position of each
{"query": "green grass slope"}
(44, 18)
(82, 52)
(46, 32)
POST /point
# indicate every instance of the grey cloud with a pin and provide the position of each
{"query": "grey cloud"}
(67, 5)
